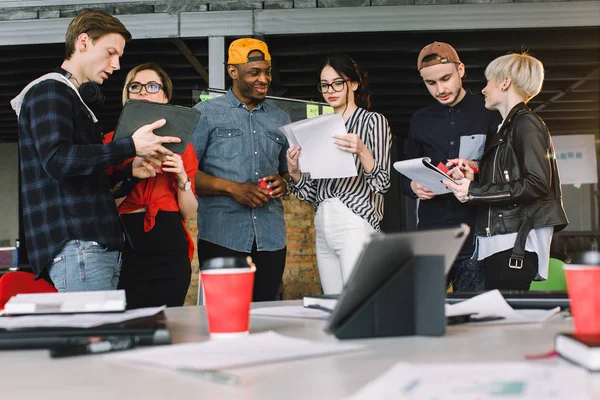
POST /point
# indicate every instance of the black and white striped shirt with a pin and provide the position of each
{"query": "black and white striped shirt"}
(363, 194)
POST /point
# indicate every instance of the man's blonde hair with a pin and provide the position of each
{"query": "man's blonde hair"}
(526, 73)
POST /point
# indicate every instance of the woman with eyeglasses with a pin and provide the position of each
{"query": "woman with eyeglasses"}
(348, 210)
(157, 268)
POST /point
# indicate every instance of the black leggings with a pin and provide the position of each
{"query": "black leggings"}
(498, 275)
(157, 270)
(269, 267)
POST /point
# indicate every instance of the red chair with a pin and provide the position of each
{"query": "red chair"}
(16, 282)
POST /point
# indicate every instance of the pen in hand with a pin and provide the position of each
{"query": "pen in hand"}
(104, 345)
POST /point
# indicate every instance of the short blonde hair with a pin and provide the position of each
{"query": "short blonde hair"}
(165, 81)
(526, 73)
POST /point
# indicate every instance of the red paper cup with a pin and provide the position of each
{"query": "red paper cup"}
(583, 283)
(227, 296)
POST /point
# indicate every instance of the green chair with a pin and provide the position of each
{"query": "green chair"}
(556, 277)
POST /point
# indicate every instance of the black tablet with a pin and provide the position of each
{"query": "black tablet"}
(181, 121)
(383, 255)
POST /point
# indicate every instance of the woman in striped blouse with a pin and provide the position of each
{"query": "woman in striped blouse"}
(348, 210)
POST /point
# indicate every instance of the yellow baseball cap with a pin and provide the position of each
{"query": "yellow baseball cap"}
(240, 48)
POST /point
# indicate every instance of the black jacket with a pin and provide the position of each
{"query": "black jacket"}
(519, 187)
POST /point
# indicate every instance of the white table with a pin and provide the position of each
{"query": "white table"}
(33, 375)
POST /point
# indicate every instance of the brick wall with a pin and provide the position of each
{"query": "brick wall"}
(301, 277)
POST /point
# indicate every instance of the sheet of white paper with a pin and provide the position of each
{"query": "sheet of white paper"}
(576, 156)
(290, 312)
(258, 348)
(478, 381)
(87, 320)
(293, 141)
(318, 155)
(493, 304)
(418, 172)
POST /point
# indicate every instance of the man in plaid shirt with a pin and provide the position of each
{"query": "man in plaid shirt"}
(72, 226)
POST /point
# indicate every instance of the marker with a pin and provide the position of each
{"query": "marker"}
(95, 345)
(455, 164)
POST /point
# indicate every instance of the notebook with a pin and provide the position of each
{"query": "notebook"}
(580, 349)
(145, 331)
(66, 303)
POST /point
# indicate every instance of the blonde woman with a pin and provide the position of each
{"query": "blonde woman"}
(518, 192)
(157, 268)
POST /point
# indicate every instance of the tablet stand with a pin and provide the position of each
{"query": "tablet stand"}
(410, 302)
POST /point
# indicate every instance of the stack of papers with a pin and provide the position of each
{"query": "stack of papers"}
(254, 349)
(492, 304)
(87, 320)
(290, 312)
(61, 303)
(474, 381)
(319, 156)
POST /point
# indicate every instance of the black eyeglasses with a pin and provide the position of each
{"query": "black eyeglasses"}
(337, 86)
(151, 87)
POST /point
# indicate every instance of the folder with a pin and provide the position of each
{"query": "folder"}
(422, 171)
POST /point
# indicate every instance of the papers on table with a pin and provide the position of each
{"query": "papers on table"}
(290, 312)
(254, 349)
(73, 302)
(318, 154)
(492, 304)
(423, 172)
(474, 381)
(76, 320)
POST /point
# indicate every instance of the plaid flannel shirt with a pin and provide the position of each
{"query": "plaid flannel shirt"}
(65, 190)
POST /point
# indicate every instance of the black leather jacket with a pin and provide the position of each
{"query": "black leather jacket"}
(519, 187)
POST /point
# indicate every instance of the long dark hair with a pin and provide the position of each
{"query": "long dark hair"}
(345, 66)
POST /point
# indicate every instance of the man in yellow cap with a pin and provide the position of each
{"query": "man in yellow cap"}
(243, 170)
(454, 126)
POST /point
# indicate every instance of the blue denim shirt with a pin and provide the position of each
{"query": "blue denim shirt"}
(239, 145)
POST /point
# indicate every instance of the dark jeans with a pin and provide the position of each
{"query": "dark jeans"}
(498, 275)
(269, 267)
(466, 274)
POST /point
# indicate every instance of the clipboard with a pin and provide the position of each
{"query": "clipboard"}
(181, 121)
(422, 171)
(398, 285)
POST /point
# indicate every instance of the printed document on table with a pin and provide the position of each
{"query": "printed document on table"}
(478, 381)
(254, 349)
(87, 320)
(318, 153)
(492, 303)
(424, 173)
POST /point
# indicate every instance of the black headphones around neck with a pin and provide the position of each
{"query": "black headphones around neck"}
(89, 91)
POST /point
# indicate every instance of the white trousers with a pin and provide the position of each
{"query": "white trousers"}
(341, 235)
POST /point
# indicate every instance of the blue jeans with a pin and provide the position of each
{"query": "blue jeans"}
(83, 266)
(466, 274)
